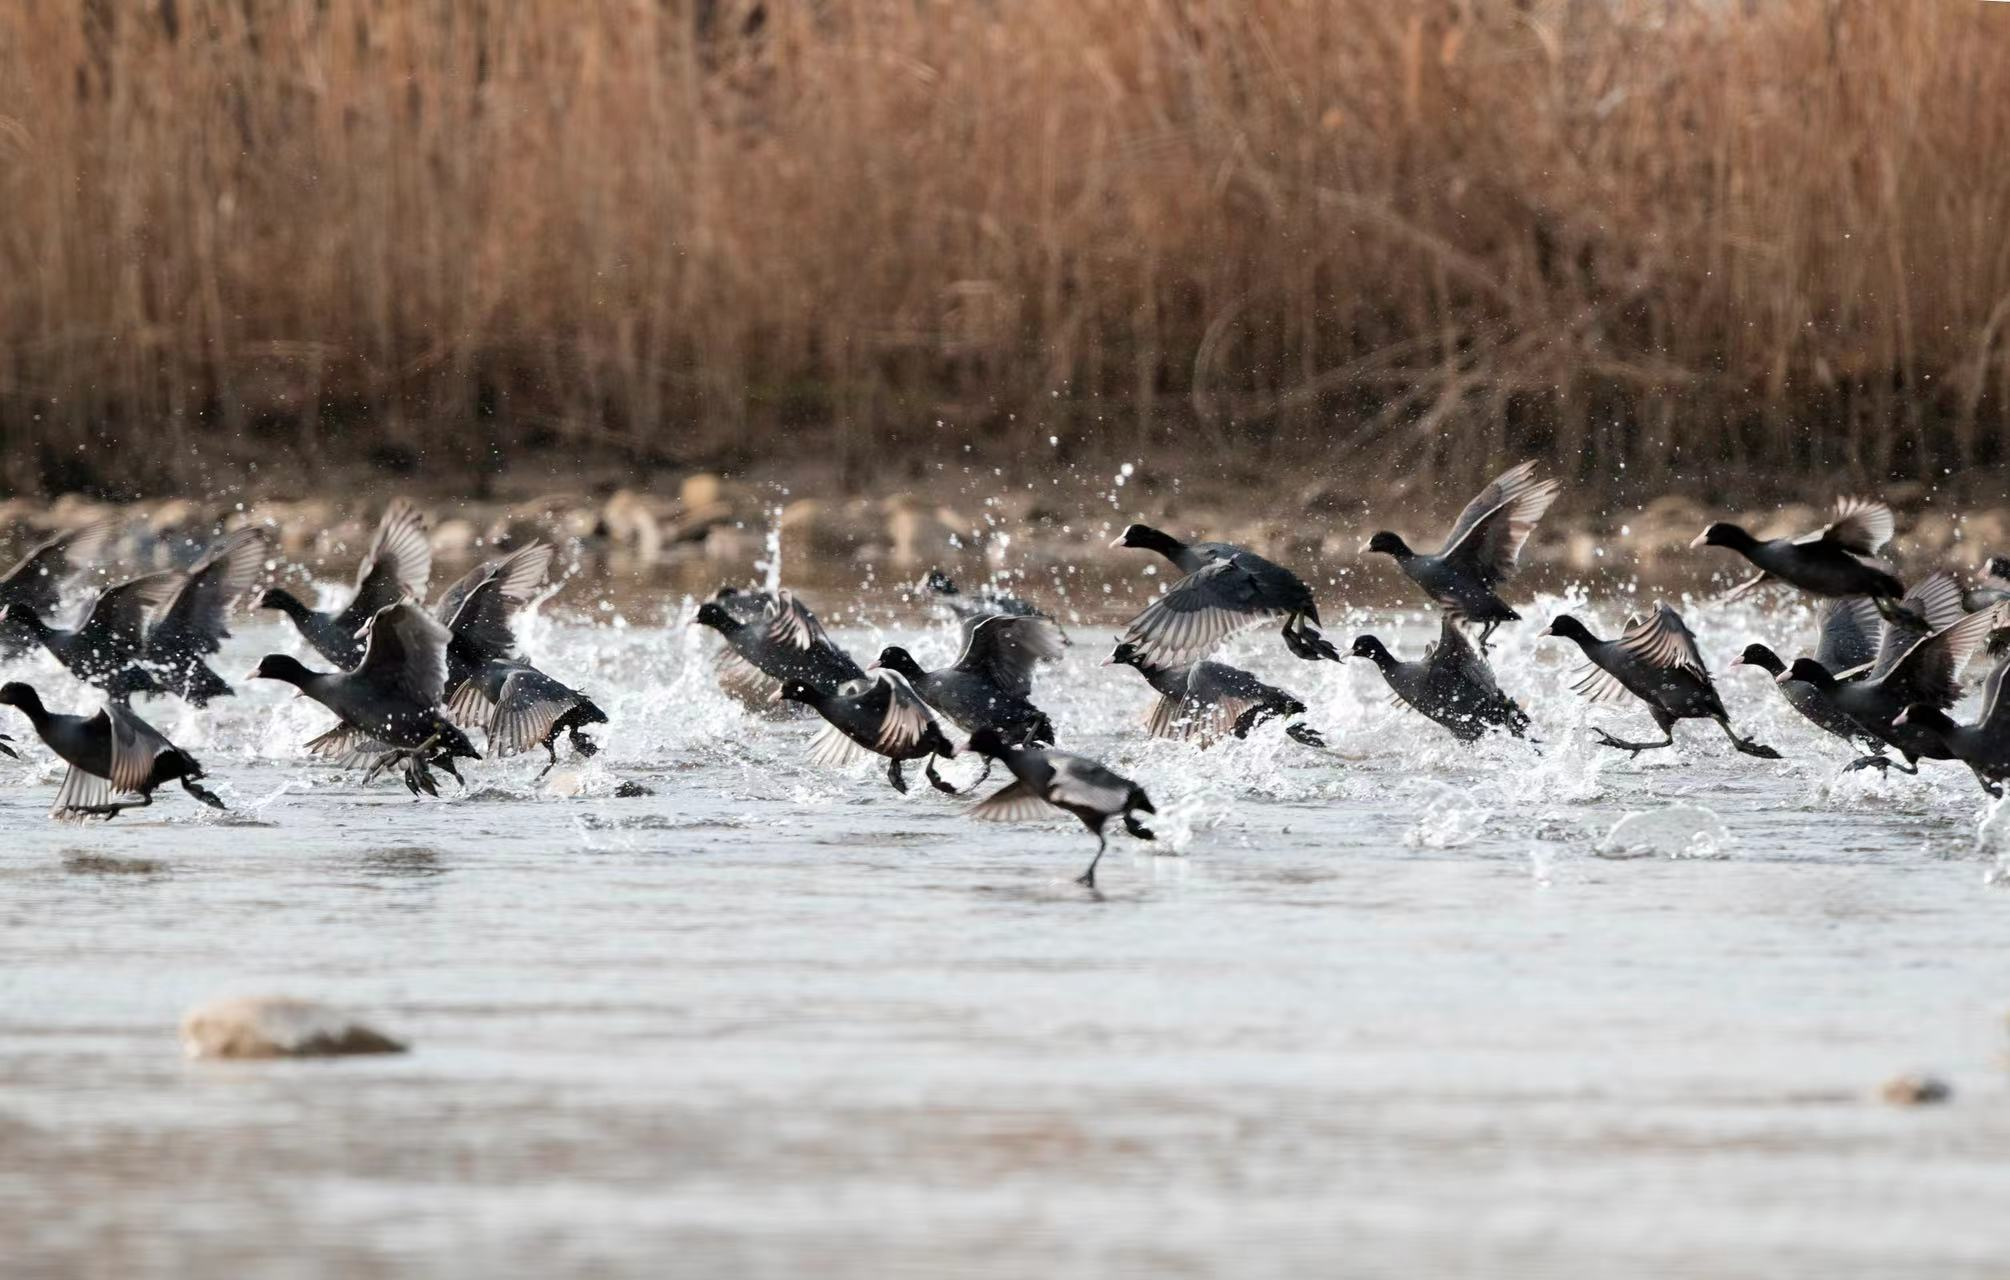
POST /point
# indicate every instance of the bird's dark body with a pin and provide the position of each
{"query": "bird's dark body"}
(822, 665)
(1453, 688)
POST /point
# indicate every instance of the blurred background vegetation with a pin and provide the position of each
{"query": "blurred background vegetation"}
(1652, 242)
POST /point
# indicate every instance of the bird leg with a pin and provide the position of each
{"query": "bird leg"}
(1088, 878)
(1883, 762)
(1137, 829)
(983, 775)
(1994, 788)
(1304, 733)
(1305, 641)
(581, 743)
(1607, 740)
(1486, 636)
(1746, 585)
(935, 779)
(896, 777)
(110, 811)
(1746, 745)
(203, 794)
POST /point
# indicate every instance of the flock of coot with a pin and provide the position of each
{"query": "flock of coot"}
(408, 681)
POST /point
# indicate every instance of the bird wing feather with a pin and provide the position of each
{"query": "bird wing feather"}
(1934, 602)
(1848, 634)
(907, 718)
(832, 748)
(1197, 613)
(135, 746)
(470, 708)
(530, 704)
(1004, 649)
(1489, 534)
(790, 622)
(1860, 525)
(80, 791)
(118, 617)
(401, 547)
(36, 582)
(1664, 641)
(406, 652)
(1081, 781)
(481, 617)
(197, 615)
(1013, 802)
(1930, 671)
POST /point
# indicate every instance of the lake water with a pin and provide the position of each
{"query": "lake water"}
(1379, 1010)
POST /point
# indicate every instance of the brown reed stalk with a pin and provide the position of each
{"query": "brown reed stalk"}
(1645, 238)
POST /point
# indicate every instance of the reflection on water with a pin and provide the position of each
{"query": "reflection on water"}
(1386, 1004)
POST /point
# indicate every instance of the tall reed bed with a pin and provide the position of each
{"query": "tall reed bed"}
(1651, 239)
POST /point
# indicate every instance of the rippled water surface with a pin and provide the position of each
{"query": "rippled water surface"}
(1382, 1010)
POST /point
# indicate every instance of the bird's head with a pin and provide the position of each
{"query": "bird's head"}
(987, 741)
(1758, 655)
(1370, 647)
(1807, 671)
(1386, 543)
(713, 614)
(280, 666)
(1136, 535)
(1565, 627)
(796, 691)
(16, 694)
(895, 658)
(1723, 534)
(1925, 715)
(1124, 655)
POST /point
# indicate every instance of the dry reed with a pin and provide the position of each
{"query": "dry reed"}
(1682, 237)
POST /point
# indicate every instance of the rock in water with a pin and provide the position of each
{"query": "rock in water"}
(1915, 1090)
(277, 1027)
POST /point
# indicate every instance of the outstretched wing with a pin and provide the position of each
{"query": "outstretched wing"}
(197, 615)
(481, 616)
(1199, 612)
(470, 708)
(1014, 802)
(1004, 650)
(1932, 604)
(406, 654)
(1489, 534)
(135, 746)
(80, 792)
(790, 622)
(1848, 635)
(36, 583)
(1995, 710)
(400, 554)
(1860, 525)
(1598, 685)
(1664, 641)
(1084, 783)
(117, 621)
(531, 703)
(346, 748)
(1454, 660)
(907, 718)
(1930, 671)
